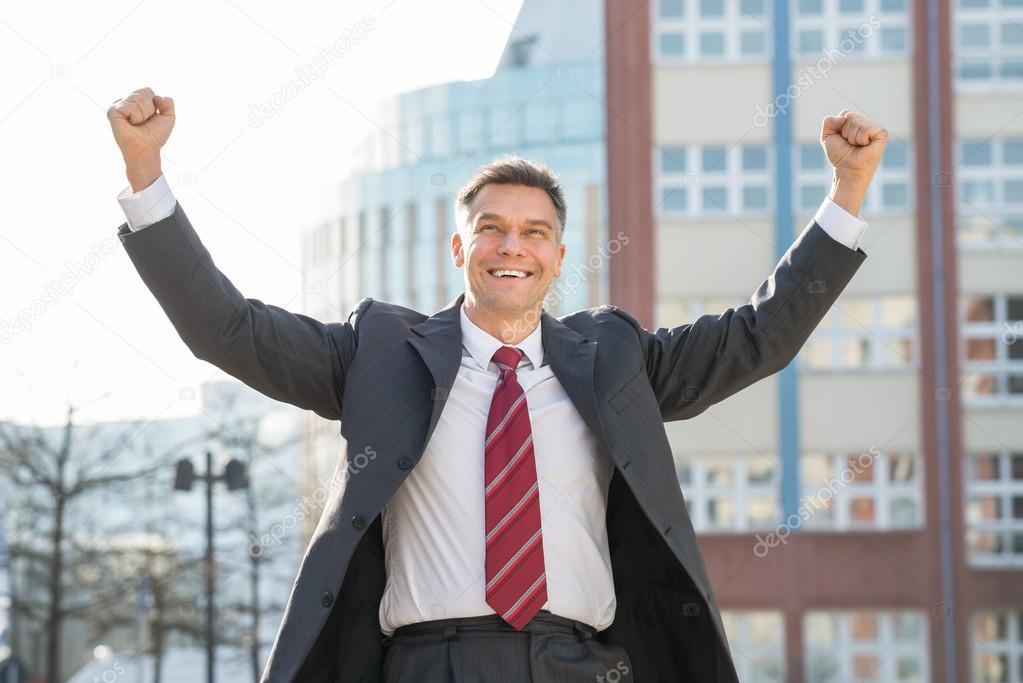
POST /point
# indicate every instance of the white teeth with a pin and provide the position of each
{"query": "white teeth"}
(516, 273)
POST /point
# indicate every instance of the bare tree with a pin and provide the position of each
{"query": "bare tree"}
(171, 589)
(49, 471)
(265, 498)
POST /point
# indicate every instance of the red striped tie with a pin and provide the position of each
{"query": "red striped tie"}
(516, 581)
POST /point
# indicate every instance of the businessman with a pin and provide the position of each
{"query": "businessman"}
(520, 519)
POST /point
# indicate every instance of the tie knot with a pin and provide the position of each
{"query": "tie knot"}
(507, 357)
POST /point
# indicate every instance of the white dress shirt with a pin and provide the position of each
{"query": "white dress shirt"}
(433, 526)
(434, 546)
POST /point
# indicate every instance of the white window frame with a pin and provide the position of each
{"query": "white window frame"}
(698, 493)
(1005, 489)
(996, 173)
(880, 489)
(693, 180)
(1011, 647)
(872, 202)
(833, 25)
(732, 24)
(874, 331)
(887, 647)
(748, 653)
(993, 15)
(1002, 366)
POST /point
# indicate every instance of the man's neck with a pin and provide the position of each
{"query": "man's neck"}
(509, 329)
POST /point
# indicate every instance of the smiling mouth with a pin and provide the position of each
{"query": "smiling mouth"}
(510, 273)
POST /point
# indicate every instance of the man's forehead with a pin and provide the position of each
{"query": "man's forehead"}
(513, 203)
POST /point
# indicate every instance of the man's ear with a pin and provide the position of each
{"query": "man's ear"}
(457, 249)
(561, 258)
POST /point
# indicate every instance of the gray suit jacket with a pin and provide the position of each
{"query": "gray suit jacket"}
(385, 374)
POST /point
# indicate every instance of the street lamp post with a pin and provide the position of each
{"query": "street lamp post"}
(236, 477)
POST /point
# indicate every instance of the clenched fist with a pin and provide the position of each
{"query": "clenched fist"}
(853, 144)
(141, 123)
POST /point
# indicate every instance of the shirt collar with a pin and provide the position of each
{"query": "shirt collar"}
(481, 345)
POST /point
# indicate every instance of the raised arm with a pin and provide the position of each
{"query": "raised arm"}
(693, 366)
(287, 356)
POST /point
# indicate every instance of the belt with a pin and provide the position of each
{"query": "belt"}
(448, 629)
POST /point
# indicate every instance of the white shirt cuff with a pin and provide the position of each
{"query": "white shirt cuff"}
(841, 225)
(148, 205)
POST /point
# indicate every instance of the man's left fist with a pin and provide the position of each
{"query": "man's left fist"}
(853, 144)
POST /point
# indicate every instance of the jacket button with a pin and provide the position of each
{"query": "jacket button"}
(359, 522)
(326, 599)
(404, 463)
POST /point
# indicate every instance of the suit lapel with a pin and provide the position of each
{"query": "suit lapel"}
(438, 341)
(572, 360)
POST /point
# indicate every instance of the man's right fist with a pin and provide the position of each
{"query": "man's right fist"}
(141, 124)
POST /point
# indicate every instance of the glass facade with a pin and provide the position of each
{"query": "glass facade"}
(431, 141)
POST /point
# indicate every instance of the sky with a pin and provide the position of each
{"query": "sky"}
(77, 325)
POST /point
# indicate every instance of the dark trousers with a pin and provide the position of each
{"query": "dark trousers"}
(550, 649)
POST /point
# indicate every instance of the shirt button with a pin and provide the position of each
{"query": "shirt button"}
(326, 599)
(359, 522)
(404, 463)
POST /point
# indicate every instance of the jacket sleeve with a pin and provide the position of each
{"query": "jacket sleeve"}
(693, 366)
(287, 356)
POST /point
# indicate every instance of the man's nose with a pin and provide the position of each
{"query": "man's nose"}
(511, 244)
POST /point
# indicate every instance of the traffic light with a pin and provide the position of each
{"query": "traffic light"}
(184, 476)
(235, 475)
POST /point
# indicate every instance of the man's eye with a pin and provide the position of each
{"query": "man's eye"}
(487, 227)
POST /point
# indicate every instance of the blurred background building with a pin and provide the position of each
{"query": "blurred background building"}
(889, 451)
(861, 512)
(131, 550)
(386, 232)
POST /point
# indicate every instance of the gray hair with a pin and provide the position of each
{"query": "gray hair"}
(514, 170)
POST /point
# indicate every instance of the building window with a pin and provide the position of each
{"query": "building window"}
(727, 492)
(756, 639)
(865, 645)
(989, 192)
(370, 244)
(890, 192)
(440, 136)
(394, 263)
(470, 130)
(505, 129)
(994, 508)
(872, 490)
(988, 43)
(992, 349)
(864, 333)
(541, 122)
(997, 646)
(713, 180)
(711, 30)
(849, 29)
(672, 311)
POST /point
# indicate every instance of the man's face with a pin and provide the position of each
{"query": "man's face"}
(509, 248)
